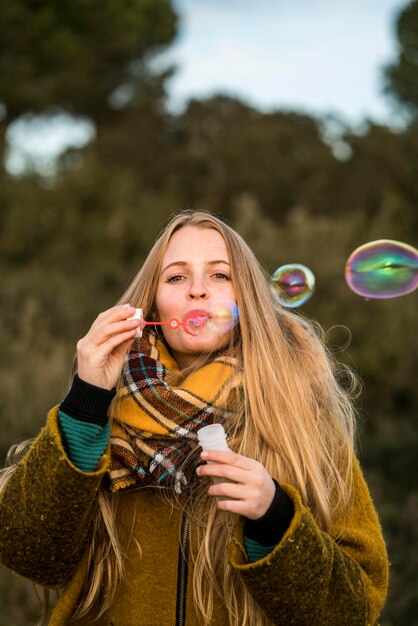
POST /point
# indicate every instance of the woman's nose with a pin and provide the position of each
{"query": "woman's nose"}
(198, 290)
(198, 295)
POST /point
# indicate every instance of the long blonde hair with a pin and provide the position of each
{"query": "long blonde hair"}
(296, 418)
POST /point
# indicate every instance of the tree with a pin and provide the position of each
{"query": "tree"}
(76, 54)
(85, 57)
(226, 148)
(402, 75)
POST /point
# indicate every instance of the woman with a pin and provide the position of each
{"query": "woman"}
(133, 529)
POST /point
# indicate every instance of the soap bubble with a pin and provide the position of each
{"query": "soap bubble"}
(383, 269)
(195, 321)
(293, 284)
(223, 315)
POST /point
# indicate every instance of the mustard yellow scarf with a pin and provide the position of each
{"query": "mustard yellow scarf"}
(158, 411)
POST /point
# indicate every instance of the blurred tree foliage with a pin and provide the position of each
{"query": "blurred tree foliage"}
(298, 188)
(77, 54)
(86, 57)
(401, 76)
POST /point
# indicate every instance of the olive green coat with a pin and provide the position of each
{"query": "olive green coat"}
(310, 578)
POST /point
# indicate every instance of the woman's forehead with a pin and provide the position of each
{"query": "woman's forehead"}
(191, 242)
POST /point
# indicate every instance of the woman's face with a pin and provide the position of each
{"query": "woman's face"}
(195, 273)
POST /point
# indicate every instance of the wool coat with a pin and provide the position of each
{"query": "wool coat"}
(310, 578)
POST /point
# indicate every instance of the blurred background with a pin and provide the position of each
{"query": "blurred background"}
(295, 120)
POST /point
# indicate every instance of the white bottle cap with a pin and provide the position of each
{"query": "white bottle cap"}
(138, 315)
(212, 437)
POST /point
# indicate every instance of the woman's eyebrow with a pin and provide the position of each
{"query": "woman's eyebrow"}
(217, 261)
(183, 263)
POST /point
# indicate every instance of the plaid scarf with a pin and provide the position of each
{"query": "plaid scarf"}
(158, 411)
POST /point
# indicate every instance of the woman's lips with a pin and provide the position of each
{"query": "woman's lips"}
(195, 321)
(198, 313)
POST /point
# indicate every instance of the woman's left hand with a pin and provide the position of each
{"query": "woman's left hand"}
(252, 490)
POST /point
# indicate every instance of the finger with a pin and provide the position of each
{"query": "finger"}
(229, 457)
(103, 333)
(123, 347)
(219, 470)
(115, 313)
(229, 490)
(240, 507)
(113, 342)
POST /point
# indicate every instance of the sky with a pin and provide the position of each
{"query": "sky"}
(322, 57)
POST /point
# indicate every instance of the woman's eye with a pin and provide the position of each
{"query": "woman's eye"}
(178, 277)
(174, 279)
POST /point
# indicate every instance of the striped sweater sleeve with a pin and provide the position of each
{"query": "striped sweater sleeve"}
(262, 535)
(84, 442)
(83, 423)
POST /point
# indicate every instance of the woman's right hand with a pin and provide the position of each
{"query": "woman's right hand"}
(101, 353)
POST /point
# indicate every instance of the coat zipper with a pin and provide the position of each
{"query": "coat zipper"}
(182, 570)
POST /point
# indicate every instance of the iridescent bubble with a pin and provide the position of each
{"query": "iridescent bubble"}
(293, 284)
(195, 321)
(223, 315)
(383, 269)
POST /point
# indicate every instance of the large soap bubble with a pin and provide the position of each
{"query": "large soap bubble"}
(383, 269)
(293, 284)
(223, 315)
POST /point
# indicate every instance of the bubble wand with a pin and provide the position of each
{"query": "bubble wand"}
(194, 319)
(221, 317)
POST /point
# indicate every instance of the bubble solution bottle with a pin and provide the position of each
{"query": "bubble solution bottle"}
(213, 437)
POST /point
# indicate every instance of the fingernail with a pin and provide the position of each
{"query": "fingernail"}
(204, 455)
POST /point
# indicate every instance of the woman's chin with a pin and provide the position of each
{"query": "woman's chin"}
(198, 346)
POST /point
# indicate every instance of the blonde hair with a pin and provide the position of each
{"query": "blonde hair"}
(296, 418)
